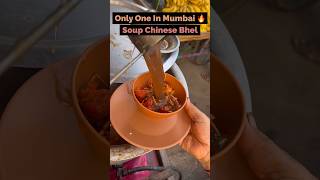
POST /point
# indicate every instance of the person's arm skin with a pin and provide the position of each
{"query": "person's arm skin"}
(266, 159)
(197, 141)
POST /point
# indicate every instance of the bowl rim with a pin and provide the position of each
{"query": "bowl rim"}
(74, 93)
(165, 51)
(243, 118)
(154, 112)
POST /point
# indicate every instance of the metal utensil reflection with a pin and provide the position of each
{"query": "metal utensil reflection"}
(143, 44)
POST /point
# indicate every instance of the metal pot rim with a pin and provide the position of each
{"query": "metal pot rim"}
(131, 5)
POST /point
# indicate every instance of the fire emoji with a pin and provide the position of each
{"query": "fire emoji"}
(201, 19)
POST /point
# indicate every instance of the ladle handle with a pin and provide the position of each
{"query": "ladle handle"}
(143, 44)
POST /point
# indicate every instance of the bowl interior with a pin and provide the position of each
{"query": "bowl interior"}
(227, 105)
(180, 92)
(93, 61)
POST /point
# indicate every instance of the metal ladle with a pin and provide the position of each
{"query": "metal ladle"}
(142, 43)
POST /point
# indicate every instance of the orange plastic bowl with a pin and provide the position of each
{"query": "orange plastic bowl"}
(145, 128)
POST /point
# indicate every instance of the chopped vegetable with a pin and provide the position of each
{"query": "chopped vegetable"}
(93, 99)
(146, 96)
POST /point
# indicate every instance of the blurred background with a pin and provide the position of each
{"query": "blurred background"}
(85, 25)
(277, 39)
(279, 44)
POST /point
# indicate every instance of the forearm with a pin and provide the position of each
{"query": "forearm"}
(267, 160)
